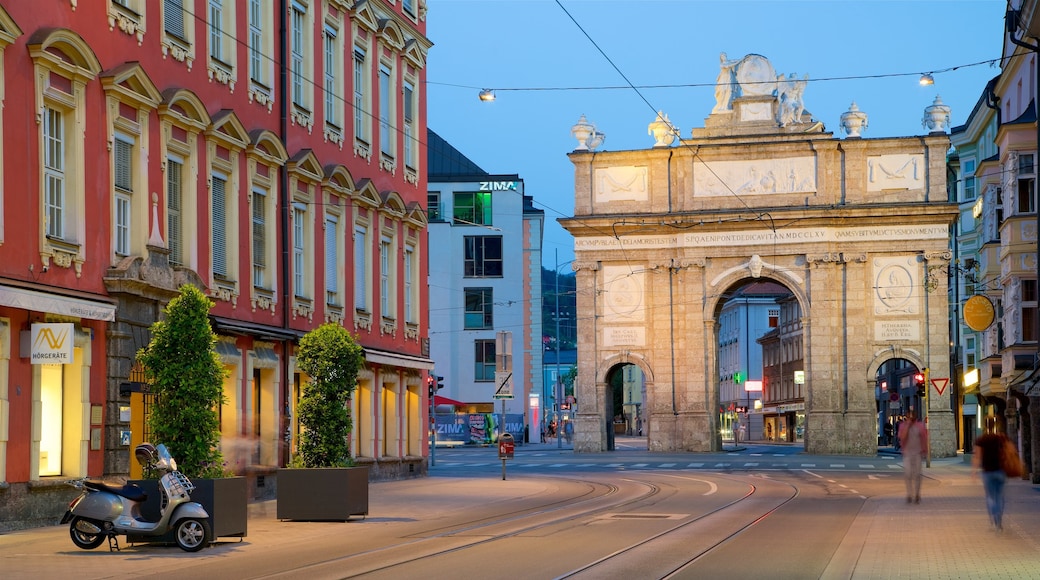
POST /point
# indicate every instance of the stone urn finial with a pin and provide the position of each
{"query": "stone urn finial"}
(853, 121)
(936, 116)
(662, 130)
(581, 131)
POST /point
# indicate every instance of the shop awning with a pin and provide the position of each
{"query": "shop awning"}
(56, 304)
(396, 359)
(439, 400)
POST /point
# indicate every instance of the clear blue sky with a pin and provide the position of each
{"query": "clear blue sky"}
(517, 46)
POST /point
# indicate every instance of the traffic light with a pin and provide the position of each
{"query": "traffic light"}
(440, 383)
(919, 384)
(431, 386)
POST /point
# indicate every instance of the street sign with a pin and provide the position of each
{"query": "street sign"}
(504, 385)
(940, 385)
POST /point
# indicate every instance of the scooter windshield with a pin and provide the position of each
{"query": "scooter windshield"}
(165, 461)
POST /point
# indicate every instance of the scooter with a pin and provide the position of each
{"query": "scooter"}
(104, 511)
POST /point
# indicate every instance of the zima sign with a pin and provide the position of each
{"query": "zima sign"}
(52, 343)
(497, 186)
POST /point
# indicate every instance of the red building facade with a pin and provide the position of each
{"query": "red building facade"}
(266, 151)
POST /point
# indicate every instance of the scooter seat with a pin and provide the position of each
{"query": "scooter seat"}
(129, 491)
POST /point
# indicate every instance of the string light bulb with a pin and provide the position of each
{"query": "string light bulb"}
(927, 79)
(487, 95)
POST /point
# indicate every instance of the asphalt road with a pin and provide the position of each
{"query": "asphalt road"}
(760, 512)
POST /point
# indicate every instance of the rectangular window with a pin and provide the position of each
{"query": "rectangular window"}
(409, 127)
(256, 42)
(122, 163)
(174, 227)
(299, 215)
(483, 256)
(409, 6)
(385, 144)
(54, 172)
(331, 261)
(296, 52)
(473, 208)
(360, 269)
(409, 286)
(220, 227)
(122, 224)
(331, 69)
(484, 360)
(433, 206)
(479, 308)
(359, 95)
(216, 36)
(969, 180)
(1026, 184)
(1029, 305)
(260, 239)
(173, 18)
(385, 278)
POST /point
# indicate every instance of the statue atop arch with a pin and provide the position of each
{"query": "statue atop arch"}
(749, 89)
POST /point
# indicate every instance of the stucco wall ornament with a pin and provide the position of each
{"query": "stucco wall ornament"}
(757, 264)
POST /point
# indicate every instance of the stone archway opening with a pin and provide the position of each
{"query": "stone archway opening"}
(896, 395)
(624, 412)
(759, 348)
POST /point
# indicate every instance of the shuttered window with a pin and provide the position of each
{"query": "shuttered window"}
(259, 239)
(174, 227)
(219, 227)
(331, 261)
(173, 18)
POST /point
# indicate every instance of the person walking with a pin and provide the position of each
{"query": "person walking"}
(987, 458)
(913, 440)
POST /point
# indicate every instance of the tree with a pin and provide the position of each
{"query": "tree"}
(187, 378)
(331, 357)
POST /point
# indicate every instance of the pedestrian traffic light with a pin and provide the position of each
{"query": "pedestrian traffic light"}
(919, 384)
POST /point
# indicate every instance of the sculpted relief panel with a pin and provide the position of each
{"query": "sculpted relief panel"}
(762, 177)
(897, 286)
(623, 297)
(621, 183)
(895, 172)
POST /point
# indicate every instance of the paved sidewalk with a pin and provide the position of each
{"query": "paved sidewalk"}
(946, 536)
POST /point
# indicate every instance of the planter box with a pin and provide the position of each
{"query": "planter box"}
(322, 494)
(226, 501)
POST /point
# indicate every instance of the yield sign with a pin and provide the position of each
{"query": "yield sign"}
(940, 385)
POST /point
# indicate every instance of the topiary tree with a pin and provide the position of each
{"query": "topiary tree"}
(187, 378)
(331, 357)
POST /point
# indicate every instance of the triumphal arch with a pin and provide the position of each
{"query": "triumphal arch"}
(857, 229)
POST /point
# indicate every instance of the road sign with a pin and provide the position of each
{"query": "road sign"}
(504, 385)
(940, 385)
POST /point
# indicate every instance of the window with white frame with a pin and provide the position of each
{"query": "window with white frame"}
(260, 265)
(1028, 305)
(219, 220)
(361, 268)
(123, 182)
(333, 79)
(410, 284)
(1026, 183)
(216, 30)
(299, 247)
(360, 95)
(222, 42)
(174, 209)
(386, 144)
(261, 51)
(299, 55)
(387, 276)
(969, 180)
(178, 36)
(54, 172)
(411, 145)
(332, 269)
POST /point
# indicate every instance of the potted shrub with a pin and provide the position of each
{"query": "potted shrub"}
(186, 377)
(321, 482)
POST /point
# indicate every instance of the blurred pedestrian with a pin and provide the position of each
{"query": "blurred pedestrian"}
(987, 458)
(913, 440)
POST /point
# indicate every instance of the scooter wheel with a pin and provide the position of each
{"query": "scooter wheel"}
(83, 539)
(192, 534)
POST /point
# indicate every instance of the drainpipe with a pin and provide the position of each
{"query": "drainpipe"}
(283, 194)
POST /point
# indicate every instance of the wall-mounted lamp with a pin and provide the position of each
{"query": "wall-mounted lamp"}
(927, 79)
(487, 95)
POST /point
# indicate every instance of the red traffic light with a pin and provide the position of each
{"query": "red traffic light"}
(918, 378)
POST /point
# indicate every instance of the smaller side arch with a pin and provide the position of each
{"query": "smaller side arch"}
(881, 356)
(603, 372)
